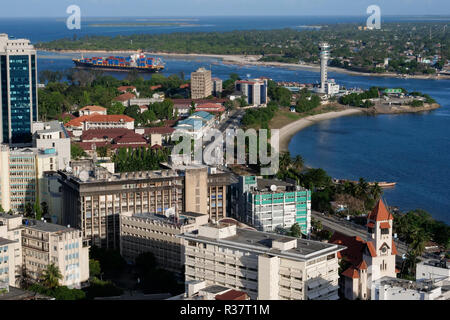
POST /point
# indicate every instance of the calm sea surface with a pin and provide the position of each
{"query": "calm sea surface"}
(412, 149)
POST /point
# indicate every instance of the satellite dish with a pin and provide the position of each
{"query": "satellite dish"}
(84, 175)
(273, 187)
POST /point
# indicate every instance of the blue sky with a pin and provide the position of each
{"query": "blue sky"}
(149, 8)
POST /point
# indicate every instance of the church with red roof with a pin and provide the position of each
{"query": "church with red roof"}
(368, 260)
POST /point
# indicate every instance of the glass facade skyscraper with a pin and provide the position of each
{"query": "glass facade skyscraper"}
(18, 75)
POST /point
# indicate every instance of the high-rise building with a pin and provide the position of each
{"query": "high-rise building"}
(18, 88)
(267, 266)
(254, 90)
(268, 204)
(201, 84)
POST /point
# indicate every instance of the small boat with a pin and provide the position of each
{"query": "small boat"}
(384, 184)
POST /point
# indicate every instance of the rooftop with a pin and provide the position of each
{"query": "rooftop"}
(423, 286)
(45, 226)
(262, 243)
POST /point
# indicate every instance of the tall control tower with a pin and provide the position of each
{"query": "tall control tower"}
(324, 56)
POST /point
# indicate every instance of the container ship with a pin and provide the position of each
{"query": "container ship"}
(138, 62)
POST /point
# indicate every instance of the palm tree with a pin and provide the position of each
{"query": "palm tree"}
(376, 191)
(50, 276)
(298, 163)
(285, 161)
(361, 188)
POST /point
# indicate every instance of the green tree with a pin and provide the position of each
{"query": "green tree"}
(51, 276)
(76, 151)
(295, 231)
(94, 268)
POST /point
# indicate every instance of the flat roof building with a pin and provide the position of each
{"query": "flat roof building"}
(266, 266)
(156, 233)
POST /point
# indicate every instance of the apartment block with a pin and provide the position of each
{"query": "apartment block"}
(255, 90)
(93, 198)
(268, 204)
(201, 84)
(11, 234)
(46, 243)
(264, 265)
(156, 233)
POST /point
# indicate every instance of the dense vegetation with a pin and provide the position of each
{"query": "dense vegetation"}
(351, 48)
(137, 159)
(356, 99)
(73, 89)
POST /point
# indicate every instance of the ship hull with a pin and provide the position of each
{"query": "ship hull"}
(84, 65)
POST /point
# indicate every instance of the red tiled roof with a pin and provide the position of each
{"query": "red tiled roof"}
(385, 225)
(159, 130)
(186, 85)
(98, 118)
(93, 108)
(155, 87)
(213, 107)
(355, 247)
(232, 295)
(156, 146)
(394, 248)
(371, 248)
(130, 138)
(351, 273)
(370, 225)
(362, 265)
(125, 97)
(125, 88)
(103, 133)
(380, 213)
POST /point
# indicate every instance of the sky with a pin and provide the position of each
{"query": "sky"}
(194, 8)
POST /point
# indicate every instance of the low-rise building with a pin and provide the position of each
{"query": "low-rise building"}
(388, 288)
(89, 110)
(99, 121)
(156, 233)
(200, 290)
(266, 266)
(435, 270)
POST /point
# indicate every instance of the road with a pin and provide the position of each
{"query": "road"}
(351, 229)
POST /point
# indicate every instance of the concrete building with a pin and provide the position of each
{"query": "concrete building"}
(254, 90)
(46, 243)
(388, 288)
(156, 233)
(266, 266)
(22, 171)
(11, 233)
(217, 86)
(201, 84)
(368, 261)
(93, 198)
(7, 262)
(200, 290)
(53, 135)
(268, 204)
(435, 270)
(18, 90)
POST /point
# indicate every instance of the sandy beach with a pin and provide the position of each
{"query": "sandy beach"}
(288, 131)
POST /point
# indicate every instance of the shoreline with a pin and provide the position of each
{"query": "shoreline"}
(289, 130)
(253, 60)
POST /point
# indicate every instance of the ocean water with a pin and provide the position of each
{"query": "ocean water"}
(411, 149)
(46, 29)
